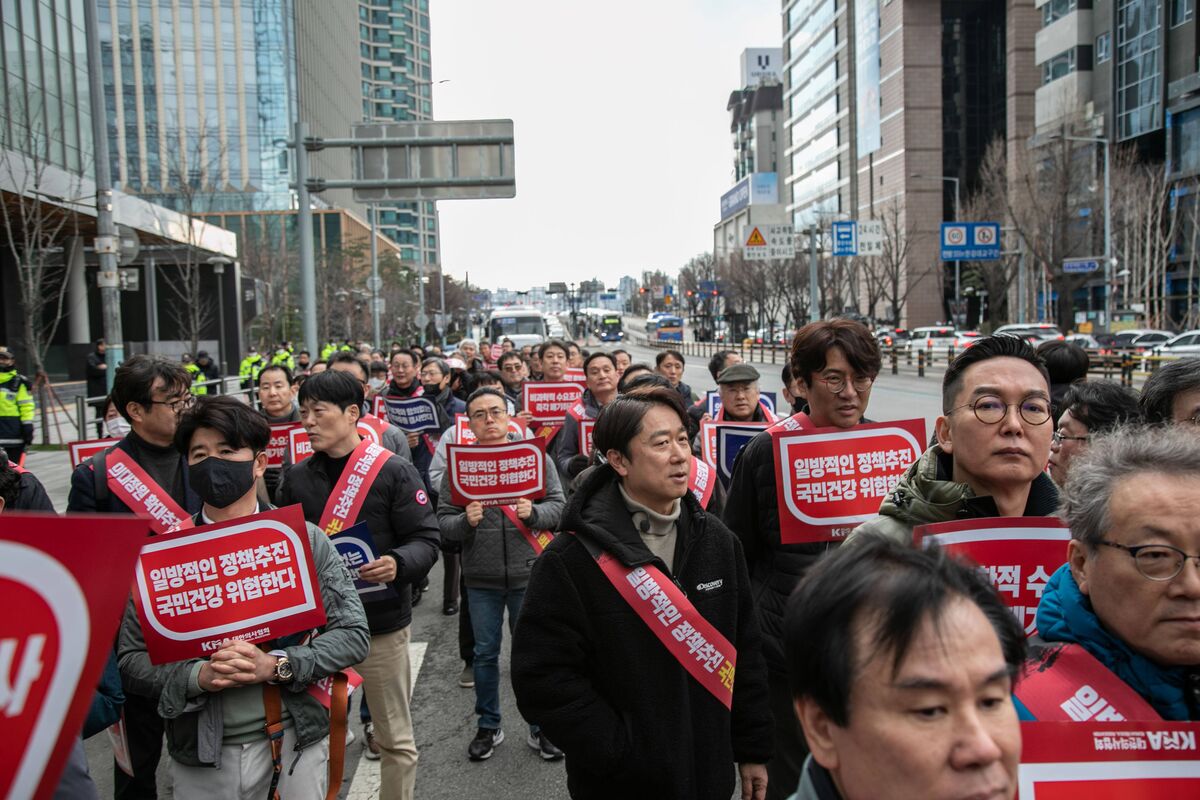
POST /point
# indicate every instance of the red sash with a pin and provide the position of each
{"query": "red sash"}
(549, 431)
(700, 481)
(796, 422)
(130, 483)
(346, 500)
(577, 412)
(537, 539)
(1069, 685)
(691, 640)
(374, 427)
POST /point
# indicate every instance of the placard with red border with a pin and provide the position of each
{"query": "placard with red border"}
(251, 578)
(463, 434)
(496, 474)
(280, 442)
(87, 448)
(830, 480)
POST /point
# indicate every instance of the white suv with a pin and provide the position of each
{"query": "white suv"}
(933, 337)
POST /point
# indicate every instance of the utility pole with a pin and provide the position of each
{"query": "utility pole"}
(442, 305)
(422, 319)
(375, 283)
(106, 232)
(814, 306)
(308, 271)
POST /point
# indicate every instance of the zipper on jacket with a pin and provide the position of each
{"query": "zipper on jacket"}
(675, 573)
(504, 546)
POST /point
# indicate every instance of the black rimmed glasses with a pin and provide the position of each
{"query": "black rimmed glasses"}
(178, 404)
(1058, 437)
(1158, 562)
(836, 384)
(991, 410)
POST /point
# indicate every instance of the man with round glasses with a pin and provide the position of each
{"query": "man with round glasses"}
(993, 442)
(1129, 593)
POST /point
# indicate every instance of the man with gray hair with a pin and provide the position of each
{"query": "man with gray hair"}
(1129, 594)
(1172, 394)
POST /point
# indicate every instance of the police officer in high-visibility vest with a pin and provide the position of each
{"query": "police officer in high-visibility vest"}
(16, 408)
(283, 358)
(329, 349)
(196, 373)
(252, 364)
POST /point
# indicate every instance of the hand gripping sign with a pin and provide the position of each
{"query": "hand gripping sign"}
(251, 578)
(1018, 553)
(88, 448)
(829, 480)
(1109, 761)
(412, 414)
(497, 474)
(548, 402)
(357, 549)
(55, 640)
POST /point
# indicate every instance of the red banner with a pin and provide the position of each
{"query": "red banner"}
(586, 426)
(129, 482)
(548, 402)
(280, 442)
(251, 578)
(496, 474)
(88, 448)
(350, 492)
(1068, 684)
(1109, 761)
(575, 375)
(830, 480)
(1019, 553)
(463, 434)
(56, 638)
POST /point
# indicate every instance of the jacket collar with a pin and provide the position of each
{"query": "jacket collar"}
(816, 783)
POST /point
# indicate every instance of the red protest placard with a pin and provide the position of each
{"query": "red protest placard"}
(708, 436)
(379, 406)
(280, 442)
(1109, 761)
(1019, 553)
(250, 578)
(548, 401)
(829, 480)
(496, 474)
(575, 375)
(463, 434)
(56, 638)
(88, 448)
(586, 427)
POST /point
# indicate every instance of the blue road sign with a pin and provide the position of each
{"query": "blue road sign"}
(1081, 265)
(970, 241)
(845, 238)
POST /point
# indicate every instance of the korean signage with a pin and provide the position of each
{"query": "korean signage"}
(496, 474)
(280, 442)
(970, 241)
(575, 375)
(1109, 761)
(357, 549)
(463, 434)
(586, 427)
(57, 636)
(758, 188)
(88, 448)
(1019, 555)
(845, 239)
(412, 414)
(250, 578)
(547, 401)
(764, 242)
(830, 480)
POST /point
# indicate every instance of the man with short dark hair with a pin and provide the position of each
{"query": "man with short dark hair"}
(623, 360)
(390, 497)
(722, 359)
(902, 664)
(1087, 410)
(671, 720)
(512, 376)
(149, 392)
(993, 442)
(390, 436)
(1172, 394)
(600, 370)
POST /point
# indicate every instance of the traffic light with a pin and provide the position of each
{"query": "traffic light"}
(641, 290)
(715, 292)
(690, 293)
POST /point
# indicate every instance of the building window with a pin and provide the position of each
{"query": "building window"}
(1182, 11)
(1139, 71)
(1061, 65)
(1103, 47)
(1056, 10)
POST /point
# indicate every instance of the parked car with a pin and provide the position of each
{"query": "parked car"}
(933, 337)
(1084, 340)
(891, 337)
(1140, 339)
(1042, 331)
(1185, 344)
(964, 339)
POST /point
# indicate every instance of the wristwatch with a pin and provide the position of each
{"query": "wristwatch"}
(283, 668)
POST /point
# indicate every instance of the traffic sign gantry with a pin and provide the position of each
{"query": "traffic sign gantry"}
(970, 241)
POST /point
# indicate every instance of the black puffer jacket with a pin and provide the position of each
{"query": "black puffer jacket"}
(632, 721)
(397, 512)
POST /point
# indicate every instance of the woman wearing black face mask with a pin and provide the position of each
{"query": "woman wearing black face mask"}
(215, 707)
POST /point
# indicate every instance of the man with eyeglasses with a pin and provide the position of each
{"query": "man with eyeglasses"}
(512, 375)
(1171, 394)
(1086, 410)
(150, 392)
(993, 442)
(1129, 594)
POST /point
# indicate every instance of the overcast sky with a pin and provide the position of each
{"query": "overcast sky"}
(622, 138)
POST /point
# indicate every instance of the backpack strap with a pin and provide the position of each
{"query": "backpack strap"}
(99, 463)
(338, 712)
(273, 706)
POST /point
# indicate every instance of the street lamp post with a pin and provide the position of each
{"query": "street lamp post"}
(1108, 256)
(957, 264)
(218, 265)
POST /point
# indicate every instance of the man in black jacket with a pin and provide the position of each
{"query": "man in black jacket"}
(150, 392)
(347, 481)
(97, 383)
(836, 361)
(637, 686)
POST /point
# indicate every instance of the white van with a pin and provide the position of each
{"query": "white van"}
(520, 324)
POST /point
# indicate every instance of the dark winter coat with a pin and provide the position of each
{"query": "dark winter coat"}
(397, 512)
(632, 721)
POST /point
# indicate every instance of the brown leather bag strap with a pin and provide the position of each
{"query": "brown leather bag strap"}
(339, 708)
(273, 705)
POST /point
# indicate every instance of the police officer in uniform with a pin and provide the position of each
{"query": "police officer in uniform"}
(16, 407)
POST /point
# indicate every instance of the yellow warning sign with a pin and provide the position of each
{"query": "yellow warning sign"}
(756, 239)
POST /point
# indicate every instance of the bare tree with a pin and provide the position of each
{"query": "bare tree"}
(891, 276)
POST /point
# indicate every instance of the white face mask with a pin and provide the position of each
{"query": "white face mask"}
(117, 427)
(377, 383)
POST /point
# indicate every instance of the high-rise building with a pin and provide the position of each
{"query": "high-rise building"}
(396, 87)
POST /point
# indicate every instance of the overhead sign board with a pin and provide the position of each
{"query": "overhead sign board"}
(870, 237)
(1076, 265)
(970, 241)
(845, 238)
(764, 242)
(453, 160)
(757, 188)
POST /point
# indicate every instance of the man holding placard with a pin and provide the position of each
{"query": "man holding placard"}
(219, 709)
(573, 443)
(499, 545)
(836, 362)
(390, 436)
(638, 650)
(350, 480)
(993, 442)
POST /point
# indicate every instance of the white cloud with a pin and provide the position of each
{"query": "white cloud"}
(622, 138)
